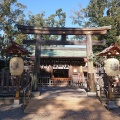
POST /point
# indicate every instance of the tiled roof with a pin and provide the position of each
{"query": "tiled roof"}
(62, 53)
(113, 50)
(16, 49)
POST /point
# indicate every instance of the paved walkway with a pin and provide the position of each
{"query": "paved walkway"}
(60, 104)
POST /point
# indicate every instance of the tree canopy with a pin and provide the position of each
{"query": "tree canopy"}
(12, 13)
(101, 13)
(54, 20)
(97, 13)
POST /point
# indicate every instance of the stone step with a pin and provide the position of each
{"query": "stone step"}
(115, 101)
(9, 100)
(6, 100)
(111, 105)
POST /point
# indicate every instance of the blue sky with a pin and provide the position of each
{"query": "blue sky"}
(50, 6)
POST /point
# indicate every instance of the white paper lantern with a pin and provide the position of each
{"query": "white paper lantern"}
(111, 67)
(16, 66)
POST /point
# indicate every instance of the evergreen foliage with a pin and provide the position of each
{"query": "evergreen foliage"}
(100, 13)
(12, 13)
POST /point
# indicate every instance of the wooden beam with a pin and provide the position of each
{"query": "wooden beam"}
(62, 48)
(56, 42)
(63, 37)
(29, 42)
(36, 64)
(61, 31)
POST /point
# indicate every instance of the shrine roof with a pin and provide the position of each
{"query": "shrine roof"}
(16, 49)
(113, 50)
(62, 52)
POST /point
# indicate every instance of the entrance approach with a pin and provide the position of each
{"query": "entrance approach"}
(88, 32)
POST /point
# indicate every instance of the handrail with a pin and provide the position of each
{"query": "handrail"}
(26, 87)
(27, 91)
(101, 87)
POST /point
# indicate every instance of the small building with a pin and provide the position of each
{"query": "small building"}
(62, 64)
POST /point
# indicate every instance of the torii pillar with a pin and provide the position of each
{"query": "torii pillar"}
(36, 66)
(90, 75)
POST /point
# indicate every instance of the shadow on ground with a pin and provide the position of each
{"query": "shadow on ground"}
(61, 104)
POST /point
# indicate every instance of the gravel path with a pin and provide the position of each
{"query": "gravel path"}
(8, 113)
(59, 107)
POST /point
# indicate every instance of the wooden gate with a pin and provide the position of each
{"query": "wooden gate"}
(47, 81)
(75, 81)
(78, 81)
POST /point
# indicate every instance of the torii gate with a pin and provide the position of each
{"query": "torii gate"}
(63, 32)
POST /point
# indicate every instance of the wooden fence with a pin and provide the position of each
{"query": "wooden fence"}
(7, 82)
(74, 81)
(78, 81)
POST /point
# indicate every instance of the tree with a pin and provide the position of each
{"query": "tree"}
(111, 16)
(54, 20)
(96, 10)
(80, 17)
(10, 11)
(101, 13)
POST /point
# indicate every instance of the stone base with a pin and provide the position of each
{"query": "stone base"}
(36, 94)
(117, 102)
(16, 103)
(111, 105)
(91, 94)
